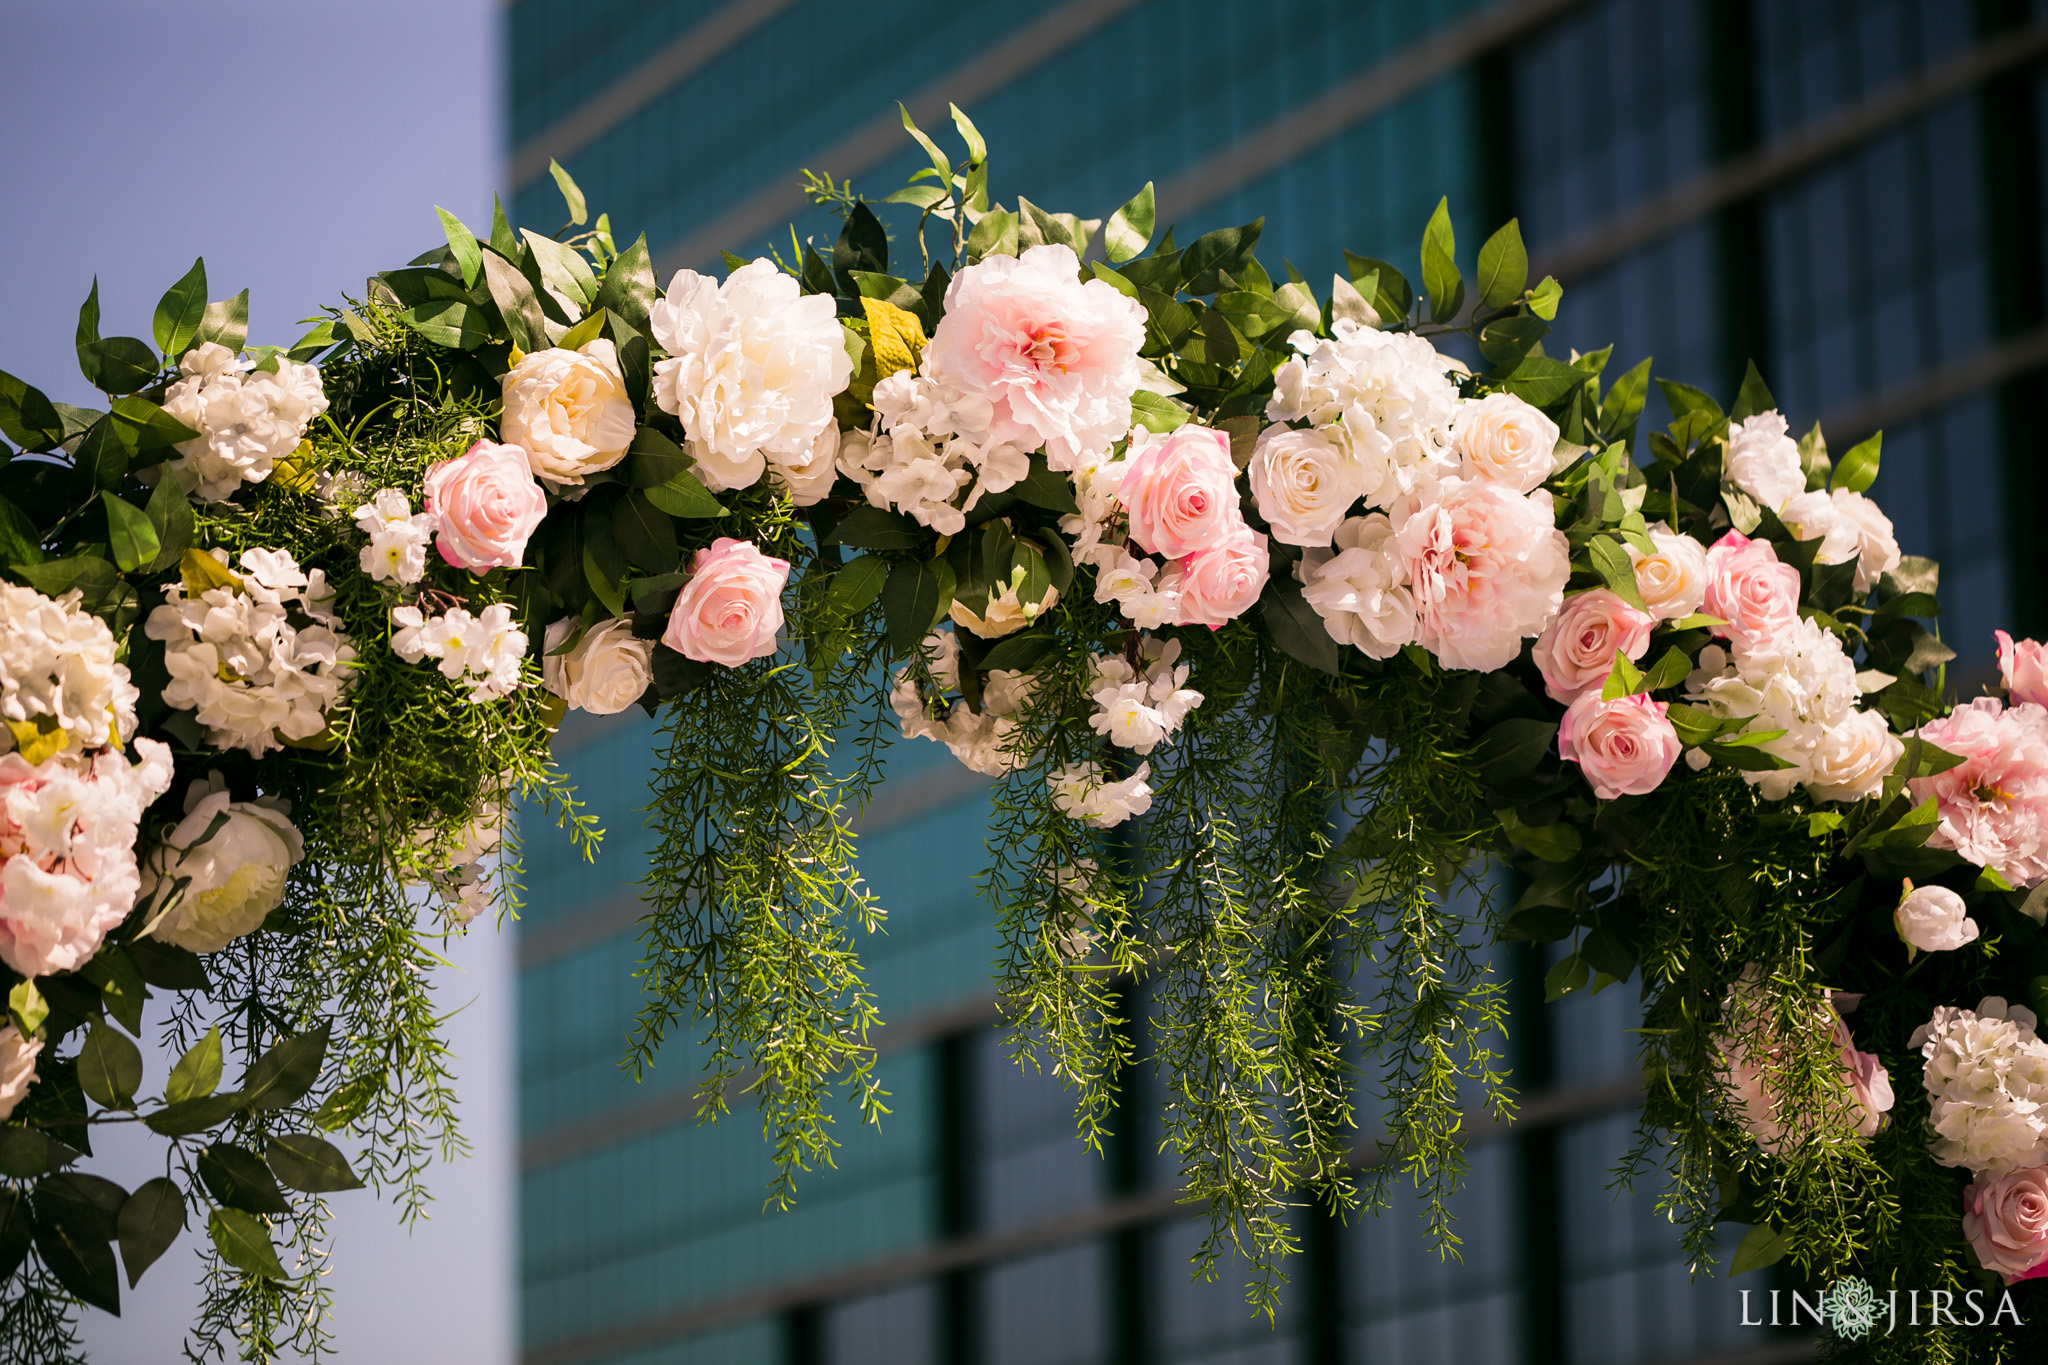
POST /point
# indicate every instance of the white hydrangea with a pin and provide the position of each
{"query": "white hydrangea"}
(1987, 1083)
(58, 674)
(980, 739)
(1763, 459)
(247, 419)
(1359, 588)
(930, 444)
(1080, 792)
(483, 650)
(399, 537)
(257, 659)
(1136, 710)
(1388, 395)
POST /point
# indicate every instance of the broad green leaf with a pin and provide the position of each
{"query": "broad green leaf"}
(1506, 342)
(599, 569)
(238, 1178)
(1685, 400)
(912, 598)
(857, 584)
(148, 1223)
(130, 533)
(1671, 669)
(684, 496)
(27, 416)
(942, 166)
(1384, 286)
(1753, 397)
(504, 241)
(1545, 297)
(1858, 468)
(1440, 276)
(1616, 569)
(1046, 487)
(517, 303)
(469, 257)
(1623, 404)
(304, 1162)
(1624, 679)
(202, 573)
(994, 235)
(452, 323)
(870, 528)
(119, 364)
(1297, 630)
(18, 536)
(977, 146)
(1503, 266)
(563, 270)
(653, 458)
(1130, 227)
(1511, 749)
(16, 1232)
(1157, 413)
(74, 1236)
(628, 286)
(144, 428)
(644, 532)
(572, 196)
(225, 323)
(109, 1067)
(1763, 1245)
(244, 1243)
(197, 1073)
(1570, 974)
(179, 312)
(26, 1006)
(1018, 651)
(1543, 381)
(289, 1069)
(317, 339)
(1214, 254)
(1556, 842)
(1813, 458)
(195, 1116)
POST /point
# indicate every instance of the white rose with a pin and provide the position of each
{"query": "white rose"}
(753, 367)
(1304, 482)
(1505, 440)
(1853, 758)
(1813, 516)
(247, 419)
(1877, 547)
(17, 1068)
(1357, 588)
(208, 885)
(1933, 919)
(605, 673)
(568, 411)
(1763, 460)
(809, 479)
(1673, 581)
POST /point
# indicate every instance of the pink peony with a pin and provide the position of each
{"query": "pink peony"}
(1624, 746)
(1576, 653)
(1752, 1067)
(1749, 589)
(2006, 1222)
(1487, 569)
(488, 504)
(731, 608)
(1994, 804)
(1221, 584)
(2023, 668)
(1181, 493)
(1056, 357)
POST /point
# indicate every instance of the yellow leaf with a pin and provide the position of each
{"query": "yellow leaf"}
(201, 572)
(895, 337)
(38, 739)
(295, 471)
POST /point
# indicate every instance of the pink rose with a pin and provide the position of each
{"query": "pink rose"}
(1181, 493)
(1624, 746)
(1576, 653)
(1749, 589)
(488, 504)
(2006, 1222)
(1487, 568)
(731, 608)
(1994, 804)
(2023, 666)
(1220, 585)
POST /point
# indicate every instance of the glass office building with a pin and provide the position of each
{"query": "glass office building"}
(1847, 190)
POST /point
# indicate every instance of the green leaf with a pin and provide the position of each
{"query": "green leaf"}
(289, 1069)
(469, 257)
(1545, 297)
(504, 241)
(74, 1228)
(867, 527)
(684, 496)
(144, 428)
(1215, 253)
(238, 1178)
(130, 533)
(1130, 227)
(195, 1116)
(1018, 651)
(1570, 974)
(244, 1243)
(644, 532)
(25, 1004)
(1503, 266)
(1155, 412)
(197, 1073)
(1753, 397)
(1671, 669)
(341, 1108)
(572, 196)
(1623, 405)
(18, 536)
(452, 323)
(1858, 469)
(1046, 487)
(317, 339)
(628, 287)
(1543, 381)
(306, 1163)
(994, 235)
(1506, 342)
(110, 1067)
(1439, 271)
(654, 459)
(120, 983)
(517, 303)
(28, 418)
(225, 323)
(1616, 569)
(16, 1231)
(1384, 286)
(604, 567)
(179, 312)
(95, 577)
(584, 332)
(1512, 748)
(1763, 1245)
(941, 164)
(118, 364)
(172, 968)
(1557, 842)
(563, 269)
(1685, 400)
(148, 1223)
(912, 599)
(1624, 679)
(857, 585)
(88, 330)
(1296, 628)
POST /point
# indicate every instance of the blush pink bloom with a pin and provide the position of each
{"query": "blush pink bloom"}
(1750, 589)
(731, 608)
(1181, 493)
(2006, 1223)
(1624, 746)
(1576, 652)
(1055, 357)
(1751, 1067)
(488, 505)
(1994, 804)
(1221, 584)
(1486, 567)
(2023, 667)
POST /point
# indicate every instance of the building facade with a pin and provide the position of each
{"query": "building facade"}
(1845, 190)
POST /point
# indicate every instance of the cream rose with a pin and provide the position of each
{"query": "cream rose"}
(808, 480)
(1933, 919)
(568, 411)
(1575, 653)
(731, 608)
(1624, 746)
(487, 506)
(17, 1068)
(1181, 492)
(1504, 440)
(606, 671)
(1673, 581)
(220, 871)
(1853, 758)
(1219, 585)
(1304, 482)
(2006, 1223)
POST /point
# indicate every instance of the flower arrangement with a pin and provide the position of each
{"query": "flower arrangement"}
(1290, 628)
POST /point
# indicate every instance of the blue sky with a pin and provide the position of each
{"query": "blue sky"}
(297, 147)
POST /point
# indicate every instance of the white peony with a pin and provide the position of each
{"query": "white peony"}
(1304, 482)
(1673, 580)
(1136, 710)
(1763, 459)
(1387, 393)
(1987, 1083)
(1080, 792)
(399, 537)
(1933, 919)
(1357, 588)
(484, 651)
(568, 411)
(17, 1067)
(220, 870)
(60, 688)
(604, 674)
(247, 419)
(1505, 440)
(752, 370)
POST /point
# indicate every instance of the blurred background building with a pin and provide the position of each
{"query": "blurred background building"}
(1846, 190)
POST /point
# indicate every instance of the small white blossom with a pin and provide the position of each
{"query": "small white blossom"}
(399, 537)
(1079, 791)
(1138, 711)
(1387, 398)
(484, 651)
(58, 674)
(979, 739)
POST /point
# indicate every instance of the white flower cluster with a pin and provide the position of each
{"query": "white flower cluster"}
(484, 650)
(247, 419)
(979, 739)
(1987, 1083)
(60, 688)
(1136, 710)
(399, 537)
(1763, 461)
(1080, 792)
(928, 446)
(258, 658)
(1383, 396)
(1804, 684)
(1359, 589)
(1146, 592)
